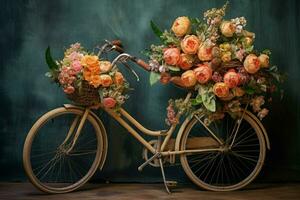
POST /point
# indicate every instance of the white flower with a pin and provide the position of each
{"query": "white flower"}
(238, 28)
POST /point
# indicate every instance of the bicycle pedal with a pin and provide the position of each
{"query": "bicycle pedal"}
(171, 183)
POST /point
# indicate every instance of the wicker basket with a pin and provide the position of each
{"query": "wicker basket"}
(87, 95)
(232, 64)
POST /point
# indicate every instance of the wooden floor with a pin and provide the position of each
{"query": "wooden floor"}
(24, 191)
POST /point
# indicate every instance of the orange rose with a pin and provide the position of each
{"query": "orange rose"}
(105, 66)
(205, 53)
(87, 74)
(181, 26)
(172, 56)
(203, 73)
(95, 81)
(221, 90)
(186, 61)
(190, 44)
(264, 60)
(119, 79)
(227, 28)
(188, 78)
(251, 64)
(89, 60)
(106, 80)
(231, 79)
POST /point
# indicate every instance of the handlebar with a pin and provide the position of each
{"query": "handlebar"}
(123, 57)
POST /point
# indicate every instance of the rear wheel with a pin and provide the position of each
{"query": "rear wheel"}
(237, 163)
(48, 163)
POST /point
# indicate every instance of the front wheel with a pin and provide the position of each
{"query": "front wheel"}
(49, 162)
(239, 159)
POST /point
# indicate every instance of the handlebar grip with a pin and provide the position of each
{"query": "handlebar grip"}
(119, 49)
(143, 64)
(117, 43)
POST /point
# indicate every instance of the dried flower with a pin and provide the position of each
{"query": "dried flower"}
(257, 102)
(264, 112)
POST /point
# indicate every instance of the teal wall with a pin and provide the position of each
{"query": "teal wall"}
(27, 27)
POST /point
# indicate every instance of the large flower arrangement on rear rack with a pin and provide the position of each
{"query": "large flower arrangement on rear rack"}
(86, 79)
(216, 59)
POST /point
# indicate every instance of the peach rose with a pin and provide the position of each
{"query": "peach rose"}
(188, 78)
(109, 102)
(205, 53)
(181, 26)
(264, 60)
(248, 41)
(186, 61)
(238, 92)
(89, 60)
(231, 79)
(105, 66)
(227, 28)
(190, 44)
(165, 78)
(221, 90)
(203, 73)
(106, 80)
(95, 81)
(251, 64)
(172, 56)
(119, 79)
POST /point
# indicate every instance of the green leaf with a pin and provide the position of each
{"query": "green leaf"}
(208, 97)
(267, 52)
(249, 90)
(51, 63)
(197, 100)
(249, 49)
(154, 77)
(175, 69)
(155, 29)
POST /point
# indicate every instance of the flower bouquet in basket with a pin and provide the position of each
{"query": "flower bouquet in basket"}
(86, 79)
(216, 59)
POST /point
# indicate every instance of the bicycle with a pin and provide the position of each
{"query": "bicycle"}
(223, 156)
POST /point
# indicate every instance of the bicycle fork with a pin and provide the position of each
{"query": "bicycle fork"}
(78, 131)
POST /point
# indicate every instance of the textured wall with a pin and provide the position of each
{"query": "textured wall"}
(29, 26)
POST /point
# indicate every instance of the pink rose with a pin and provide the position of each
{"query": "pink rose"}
(69, 90)
(172, 56)
(109, 102)
(190, 44)
(76, 65)
(232, 79)
(203, 73)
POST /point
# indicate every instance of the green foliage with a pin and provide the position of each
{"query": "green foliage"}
(173, 68)
(208, 97)
(169, 38)
(154, 77)
(49, 60)
(156, 30)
